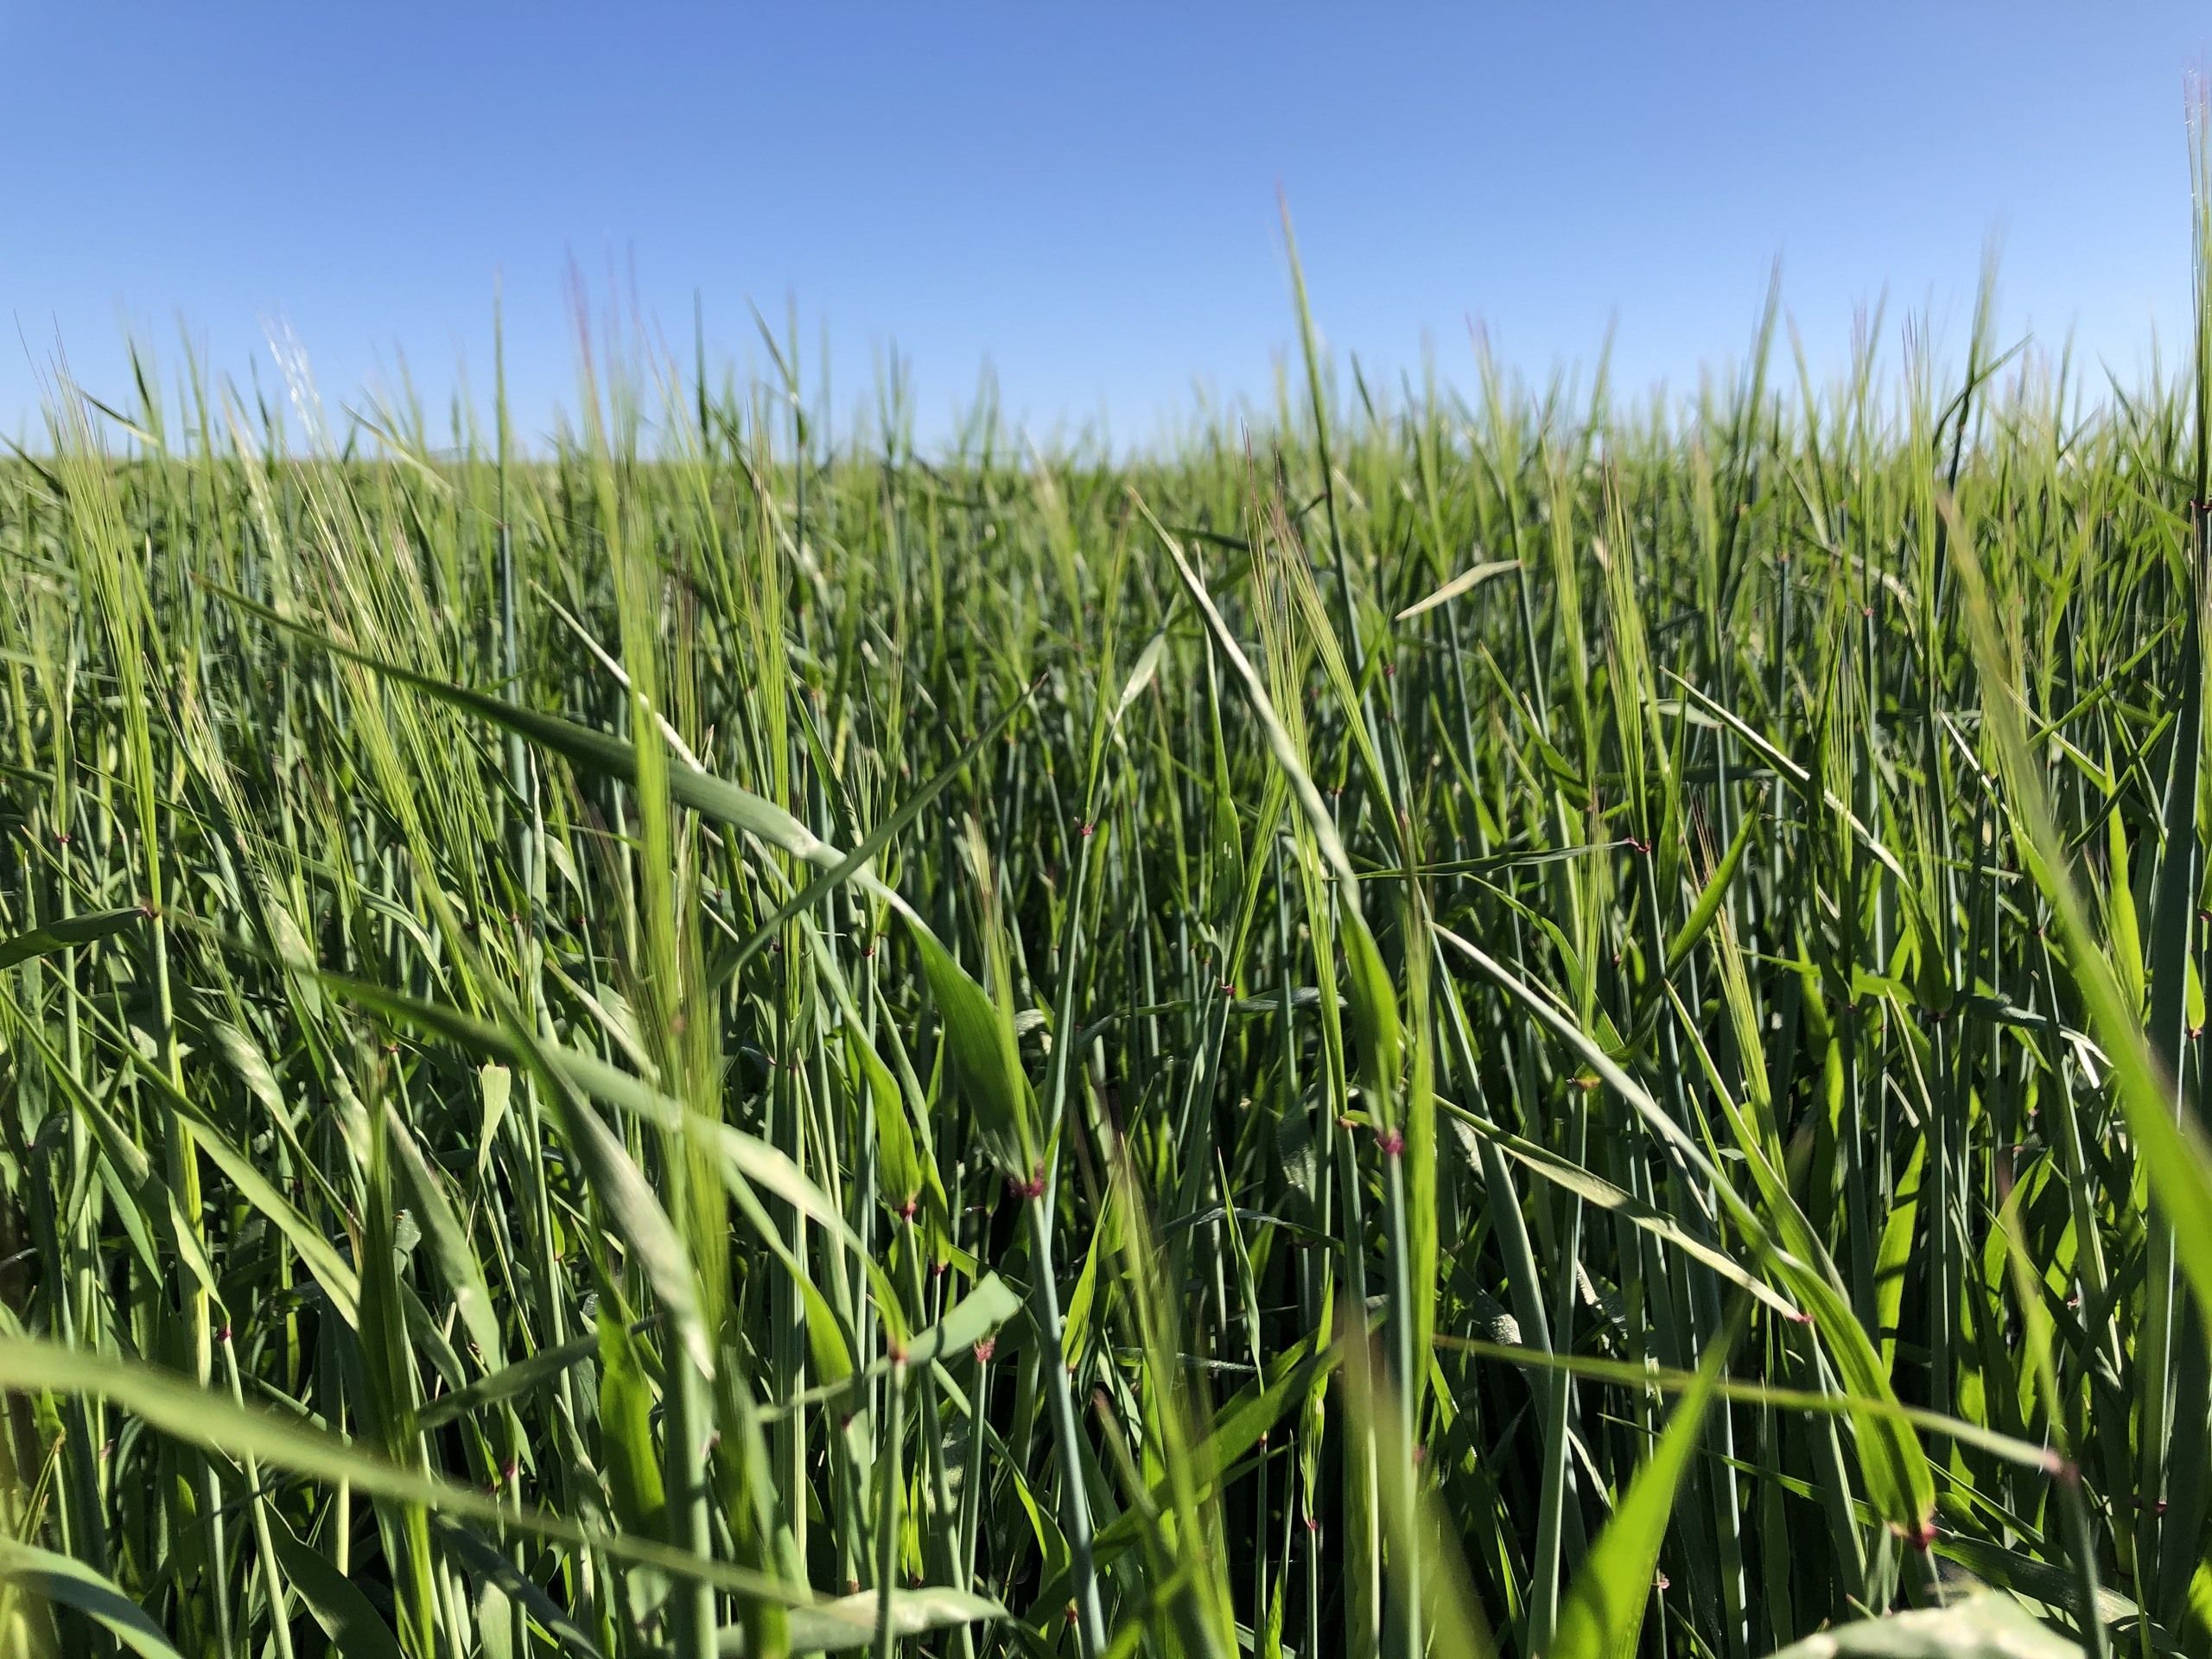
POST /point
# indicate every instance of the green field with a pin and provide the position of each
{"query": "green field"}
(1520, 1020)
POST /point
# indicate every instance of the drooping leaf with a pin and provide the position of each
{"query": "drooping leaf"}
(66, 1582)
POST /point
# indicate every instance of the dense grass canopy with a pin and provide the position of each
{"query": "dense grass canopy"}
(1453, 1024)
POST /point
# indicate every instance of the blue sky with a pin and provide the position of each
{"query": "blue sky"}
(1083, 195)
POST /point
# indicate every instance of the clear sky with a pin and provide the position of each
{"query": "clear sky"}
(1082, 194)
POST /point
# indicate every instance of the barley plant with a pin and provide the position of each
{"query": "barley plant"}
(1508, 1022)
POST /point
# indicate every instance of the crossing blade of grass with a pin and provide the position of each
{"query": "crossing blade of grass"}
(520, 1377)
(29, 1366)
(589, 1075)
(1473, 575)
(483, 1561)
(985, 1063)
(62, 935)
(1707, 907)
(596, 751)
(64, 1582)
(346, 1615)
(969, 1321)
(1594, 1189)
(1603, 1614)
(2026, 1455)
(864, 850)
